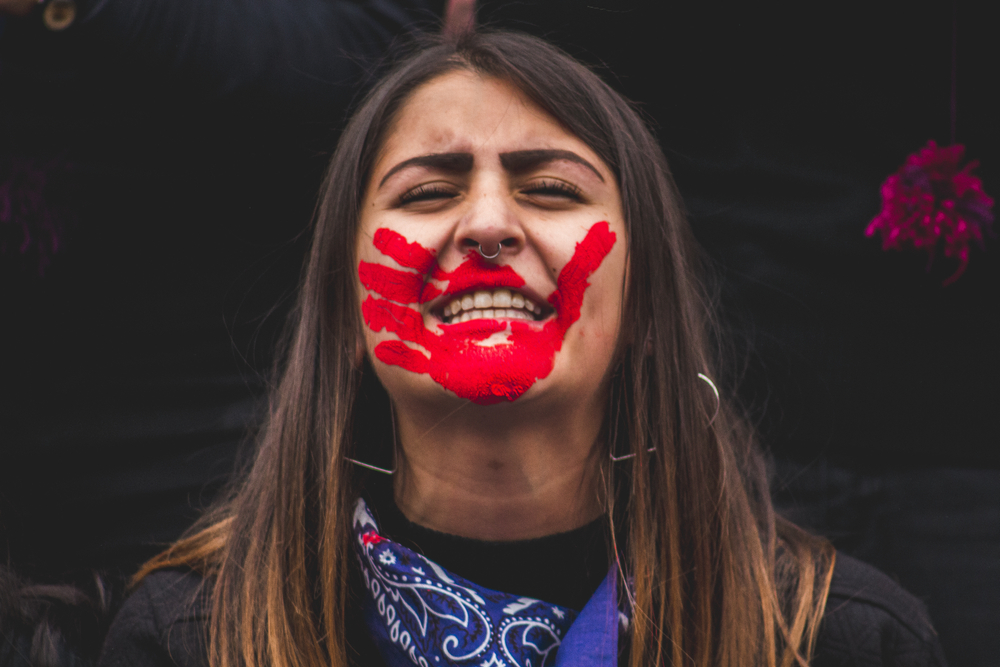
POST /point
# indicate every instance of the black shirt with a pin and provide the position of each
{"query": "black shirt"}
(565, 569)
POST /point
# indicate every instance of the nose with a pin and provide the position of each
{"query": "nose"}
(491, 227)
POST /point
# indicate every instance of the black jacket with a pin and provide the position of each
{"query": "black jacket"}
(869, 621)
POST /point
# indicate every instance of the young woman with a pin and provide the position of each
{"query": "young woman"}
(500, 310)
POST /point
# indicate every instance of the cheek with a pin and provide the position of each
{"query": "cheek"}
(598, 331)
(604, 296)
(597, 337)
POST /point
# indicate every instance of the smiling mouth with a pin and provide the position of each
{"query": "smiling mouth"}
(495, 305)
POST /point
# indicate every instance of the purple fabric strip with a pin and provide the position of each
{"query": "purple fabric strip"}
(592, 640)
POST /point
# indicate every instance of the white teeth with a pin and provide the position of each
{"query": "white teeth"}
(501, 299)
(483, 299)
(501, 303)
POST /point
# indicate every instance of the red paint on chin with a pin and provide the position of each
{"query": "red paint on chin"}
(484, 374)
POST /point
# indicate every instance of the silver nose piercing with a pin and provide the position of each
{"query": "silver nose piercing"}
(494, 255)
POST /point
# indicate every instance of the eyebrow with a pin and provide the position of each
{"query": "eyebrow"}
(515, 162)
(520, 161)
(459, 163)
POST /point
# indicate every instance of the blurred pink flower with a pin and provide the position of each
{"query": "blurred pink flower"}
(929, 200)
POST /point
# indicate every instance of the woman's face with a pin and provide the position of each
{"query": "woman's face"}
(471, 163)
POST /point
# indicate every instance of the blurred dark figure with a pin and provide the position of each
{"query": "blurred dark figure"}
(51, 625)
(159, 160)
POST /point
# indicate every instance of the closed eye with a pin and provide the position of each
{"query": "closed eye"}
(426, 193)
(552, 188)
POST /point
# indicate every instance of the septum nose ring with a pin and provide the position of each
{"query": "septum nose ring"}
(494, 255)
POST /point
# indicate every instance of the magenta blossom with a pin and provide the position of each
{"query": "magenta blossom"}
(930, 200)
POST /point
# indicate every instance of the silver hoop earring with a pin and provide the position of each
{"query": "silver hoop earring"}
(715, 390)
(652, 450)
(395, 463)
(494, 255)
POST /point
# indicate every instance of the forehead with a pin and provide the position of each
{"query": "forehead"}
(464, 111)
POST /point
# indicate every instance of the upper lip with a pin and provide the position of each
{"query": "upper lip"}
(483, 280)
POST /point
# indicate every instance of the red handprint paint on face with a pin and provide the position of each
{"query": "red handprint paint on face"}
(458, 361)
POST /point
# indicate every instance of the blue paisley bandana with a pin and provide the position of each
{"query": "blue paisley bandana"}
(420, 614)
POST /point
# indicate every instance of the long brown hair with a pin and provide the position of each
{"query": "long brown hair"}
(716, 577)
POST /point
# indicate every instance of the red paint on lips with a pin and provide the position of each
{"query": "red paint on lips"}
(477, 274)
(484, 374)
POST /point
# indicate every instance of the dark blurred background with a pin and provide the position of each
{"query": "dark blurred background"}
(177, 150)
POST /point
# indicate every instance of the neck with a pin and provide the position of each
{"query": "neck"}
(503, 472)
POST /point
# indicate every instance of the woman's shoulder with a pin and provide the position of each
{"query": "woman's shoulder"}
(871, 620)
(162, 623)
